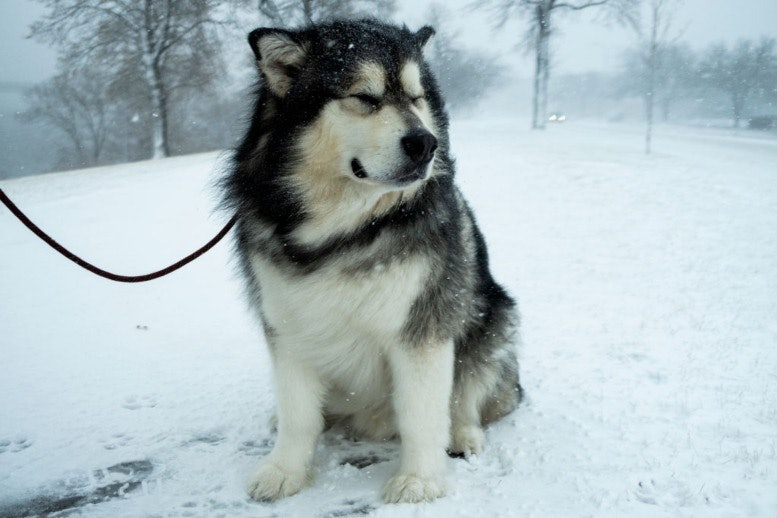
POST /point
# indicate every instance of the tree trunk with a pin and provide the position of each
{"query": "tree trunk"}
(535, 104)
(666, 107)
(649, 118)
(650, 93)
(738, 105)
(159, 143)
(307, 9)
(541, 67)
(544, 82)
(152, 38)
(270, 9)
(652, 68)
(78, 146)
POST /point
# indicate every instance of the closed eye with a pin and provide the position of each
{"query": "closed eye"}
(370, 101)
(417, 100)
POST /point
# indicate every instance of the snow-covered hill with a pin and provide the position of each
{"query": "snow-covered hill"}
(648, 287)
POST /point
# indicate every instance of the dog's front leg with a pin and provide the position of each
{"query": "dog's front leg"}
(299, 393)
(422, 379)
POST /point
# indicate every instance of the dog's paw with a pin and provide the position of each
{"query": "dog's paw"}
(413, 488)
(467, 440)
(272, 482)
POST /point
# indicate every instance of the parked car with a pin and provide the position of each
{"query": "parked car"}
(762, 122)
(557, 117)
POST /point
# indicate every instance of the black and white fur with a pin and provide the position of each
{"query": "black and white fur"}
(362, 259)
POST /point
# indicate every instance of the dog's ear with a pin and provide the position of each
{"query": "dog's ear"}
(280, 55)
(423, 35)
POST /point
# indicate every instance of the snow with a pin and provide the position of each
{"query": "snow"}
(648, 289)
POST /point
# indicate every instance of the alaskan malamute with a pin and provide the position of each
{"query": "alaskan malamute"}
(362, 259)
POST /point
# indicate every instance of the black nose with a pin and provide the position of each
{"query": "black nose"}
(419, 145)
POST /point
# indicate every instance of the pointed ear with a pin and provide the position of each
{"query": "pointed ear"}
(280, 55)
(423, 35)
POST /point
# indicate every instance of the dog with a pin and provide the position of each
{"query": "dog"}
(362, 259)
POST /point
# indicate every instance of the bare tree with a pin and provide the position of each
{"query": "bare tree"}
(677, 77)
(541, 28)
(153, 46)
(747, 69)
(674, 77)
(78, 105)
(270, 10)
(464, 75)
(652, 23)
(295, 12)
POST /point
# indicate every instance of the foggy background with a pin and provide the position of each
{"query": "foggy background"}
(485, 58)
(644, 268)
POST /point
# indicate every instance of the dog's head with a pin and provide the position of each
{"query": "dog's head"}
(357, 101)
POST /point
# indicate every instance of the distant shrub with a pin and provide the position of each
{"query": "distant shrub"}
(762, 122)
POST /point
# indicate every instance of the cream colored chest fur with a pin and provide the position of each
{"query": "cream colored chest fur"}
(341, 321)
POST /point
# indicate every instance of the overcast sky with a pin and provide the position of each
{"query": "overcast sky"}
(22, 60)
(587, 45)
(581, 44)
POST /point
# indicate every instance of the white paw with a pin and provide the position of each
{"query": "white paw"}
(468, 440)
(413, 488)
(272, 482)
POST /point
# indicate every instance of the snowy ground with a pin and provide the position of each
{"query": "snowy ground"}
(648, 287)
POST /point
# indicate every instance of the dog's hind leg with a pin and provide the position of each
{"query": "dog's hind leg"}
(504, 400)
(469, 393)
(299, 392)
(483, 392)
(422, 377)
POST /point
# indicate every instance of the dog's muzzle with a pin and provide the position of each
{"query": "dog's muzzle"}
(419, 147)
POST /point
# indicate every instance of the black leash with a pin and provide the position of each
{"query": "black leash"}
(99, 271)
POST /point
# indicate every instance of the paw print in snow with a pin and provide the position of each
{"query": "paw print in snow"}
(14, 445)
(668, 493)
(138, 402)
(117, 440)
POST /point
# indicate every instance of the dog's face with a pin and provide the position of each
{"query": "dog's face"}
(357, 95)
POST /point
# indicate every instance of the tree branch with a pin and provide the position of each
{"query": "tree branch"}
(578, 7)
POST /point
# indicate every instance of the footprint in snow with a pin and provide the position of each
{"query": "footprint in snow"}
(362, 461)
(117, 440)
(138, 402)
(350, 508)
(256, 448)
(14, 445)
(207, 438)
(69, 496)
(671, 492)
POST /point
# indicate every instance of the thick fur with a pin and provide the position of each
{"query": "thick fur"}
(362, 259)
